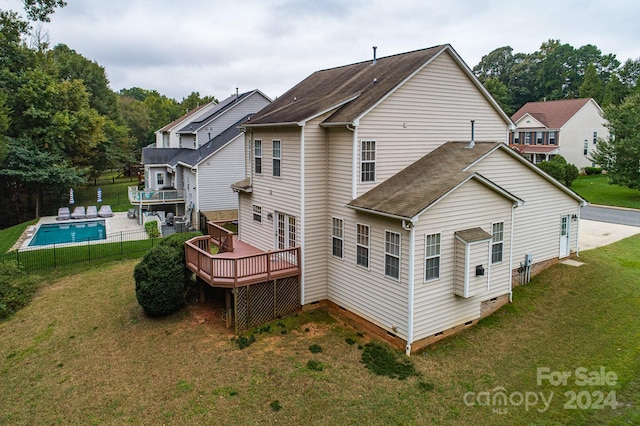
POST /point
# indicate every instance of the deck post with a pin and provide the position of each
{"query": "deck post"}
(203, 294)
(227, 313)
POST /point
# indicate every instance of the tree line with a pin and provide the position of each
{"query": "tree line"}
(560, 71)
(60, 123)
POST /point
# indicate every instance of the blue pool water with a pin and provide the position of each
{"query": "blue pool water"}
(70, 232)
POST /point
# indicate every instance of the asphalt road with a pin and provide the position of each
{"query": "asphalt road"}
(611, 215)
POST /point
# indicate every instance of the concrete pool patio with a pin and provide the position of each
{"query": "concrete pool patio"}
(118, 224)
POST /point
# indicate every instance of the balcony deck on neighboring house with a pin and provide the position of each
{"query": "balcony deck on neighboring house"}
(237, 264)
(145, 198)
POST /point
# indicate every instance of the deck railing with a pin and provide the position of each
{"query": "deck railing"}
(222, 237)
(239, 271)
(137, 196)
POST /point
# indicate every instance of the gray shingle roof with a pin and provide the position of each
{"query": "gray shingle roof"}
(328, 88)
(191, 157)
(219, 108)
(473, 235)
(415, 188)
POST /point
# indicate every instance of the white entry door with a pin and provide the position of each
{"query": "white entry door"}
(565, 236)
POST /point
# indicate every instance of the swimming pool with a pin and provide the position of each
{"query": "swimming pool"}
(69, 232)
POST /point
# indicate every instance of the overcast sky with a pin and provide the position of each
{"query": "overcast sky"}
(214, 46)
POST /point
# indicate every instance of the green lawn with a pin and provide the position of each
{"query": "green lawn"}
(84, 340)
(596, 190)
(9, 236)
(115, 195)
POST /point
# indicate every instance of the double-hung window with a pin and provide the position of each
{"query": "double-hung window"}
(539, 138)
(362, 245)
(392, 254)
(257, 213)
(516, 138)
(368, 161)
(497, 242)
(552, 138)
(257, 156)
(337, 237)
(432, 257)
(585, 149)
(595, 138)
(276, 157)
(160, 179)
(527, 138)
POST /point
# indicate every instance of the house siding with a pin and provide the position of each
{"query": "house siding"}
(537, 222)
(436, 307)
(368, 292)
(315, 211)
(280, 194)
(579, 128)
(409, 124)
(217, 173)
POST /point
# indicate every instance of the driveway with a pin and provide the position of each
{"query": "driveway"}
(594, 234)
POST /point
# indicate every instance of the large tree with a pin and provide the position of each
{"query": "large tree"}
(620, 154)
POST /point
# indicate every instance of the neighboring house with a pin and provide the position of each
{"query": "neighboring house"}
(398, 227)
(569, 127)
(194, 174)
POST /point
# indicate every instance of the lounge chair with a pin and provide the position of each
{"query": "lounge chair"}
(63, 213)
(78, 213)
(105, 211)
(92, 212)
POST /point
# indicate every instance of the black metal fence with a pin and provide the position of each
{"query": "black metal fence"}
(56, 255)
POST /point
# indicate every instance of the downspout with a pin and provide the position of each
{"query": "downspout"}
(354, 160)
(513, 209)
(250, 152)
(578, 234)
(302, 214)
(411, 282)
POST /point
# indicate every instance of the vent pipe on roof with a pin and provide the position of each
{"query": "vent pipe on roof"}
(374, 55)
(236, 93)
(473, 142)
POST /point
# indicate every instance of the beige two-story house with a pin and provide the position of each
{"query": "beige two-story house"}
(568, 127)
(393, 180)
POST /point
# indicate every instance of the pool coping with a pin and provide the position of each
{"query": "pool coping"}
(117, 223)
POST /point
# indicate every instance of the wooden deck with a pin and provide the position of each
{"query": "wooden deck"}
(243, 266)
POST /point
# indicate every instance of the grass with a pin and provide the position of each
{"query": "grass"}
(116, 195)
(596, 190)
(9, 236)
(85, 341)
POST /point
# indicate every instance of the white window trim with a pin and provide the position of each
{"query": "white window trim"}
(256, 156)
(158, 175)
(362, 162)
(439, 256)
(398, 256)
(274, 158)
(368, 247)
(333, 236)
(497, 242)
(255, 207)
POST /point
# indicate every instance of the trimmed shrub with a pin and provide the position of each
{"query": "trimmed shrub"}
(559, 169)
(593, 170)
(160, 285)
